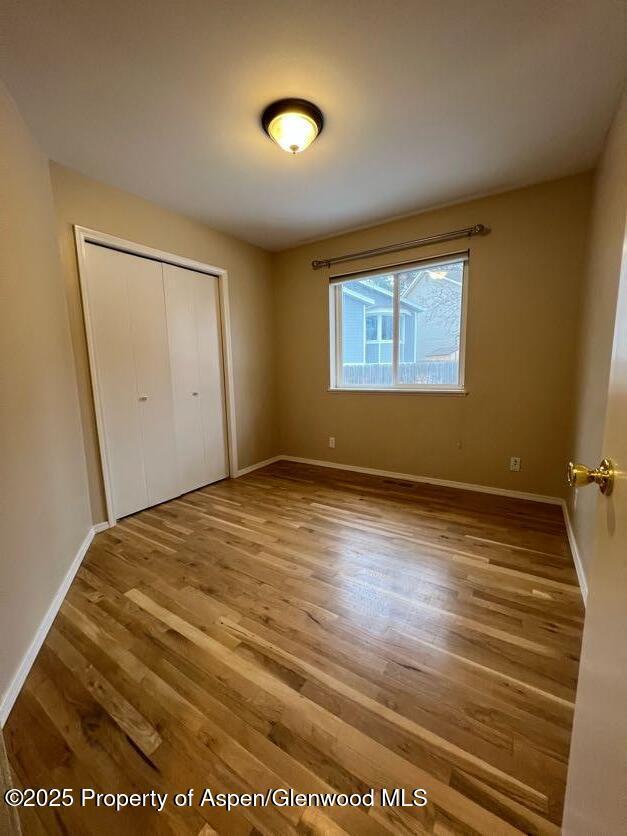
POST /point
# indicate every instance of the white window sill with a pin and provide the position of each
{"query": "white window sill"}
(402, 390)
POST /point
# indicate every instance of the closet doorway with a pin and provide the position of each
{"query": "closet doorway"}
(158, 338)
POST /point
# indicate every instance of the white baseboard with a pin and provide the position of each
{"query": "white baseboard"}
(11, 694)
(428, 480)
(103, 526)
(244, 470)
(572, 540)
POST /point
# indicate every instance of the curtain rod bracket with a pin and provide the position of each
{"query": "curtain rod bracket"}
(467, 232)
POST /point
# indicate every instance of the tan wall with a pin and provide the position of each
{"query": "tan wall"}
(524, 287)
(598, 310)
(43, 484)
(80, 200)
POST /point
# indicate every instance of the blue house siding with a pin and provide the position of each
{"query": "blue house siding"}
(352, 329)
(408, 348)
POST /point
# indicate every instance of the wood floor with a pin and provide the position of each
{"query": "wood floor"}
(314, 629)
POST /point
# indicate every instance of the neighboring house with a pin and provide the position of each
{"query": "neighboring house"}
(429, 324)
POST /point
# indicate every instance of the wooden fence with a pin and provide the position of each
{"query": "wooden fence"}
(434, 372)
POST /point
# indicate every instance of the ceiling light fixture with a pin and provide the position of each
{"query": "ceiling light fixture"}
(292, 123)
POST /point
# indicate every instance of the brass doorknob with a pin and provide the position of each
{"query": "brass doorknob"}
(580, 475)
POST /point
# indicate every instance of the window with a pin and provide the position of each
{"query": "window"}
(400, 329)
(379, 337)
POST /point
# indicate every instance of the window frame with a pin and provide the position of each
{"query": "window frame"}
(335, 330)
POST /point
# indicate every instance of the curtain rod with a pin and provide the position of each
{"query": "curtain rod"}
(440, 258)
(467, 232)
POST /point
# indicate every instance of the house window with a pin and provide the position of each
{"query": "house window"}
(379, 335)
(379, 331)
(400, 329)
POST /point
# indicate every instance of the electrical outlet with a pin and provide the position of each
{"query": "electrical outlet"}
(514, 463)
(332, 442)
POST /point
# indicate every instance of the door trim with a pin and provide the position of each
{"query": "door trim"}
(83, 236)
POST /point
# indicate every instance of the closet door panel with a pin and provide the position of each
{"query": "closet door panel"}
(212, 395)
(183, 339)
(152, 359)
(112, 332)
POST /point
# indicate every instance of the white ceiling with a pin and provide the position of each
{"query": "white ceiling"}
(426, 101)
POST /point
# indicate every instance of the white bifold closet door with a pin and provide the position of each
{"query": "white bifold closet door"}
(193, 315)
(156, 349)
(132, 355)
